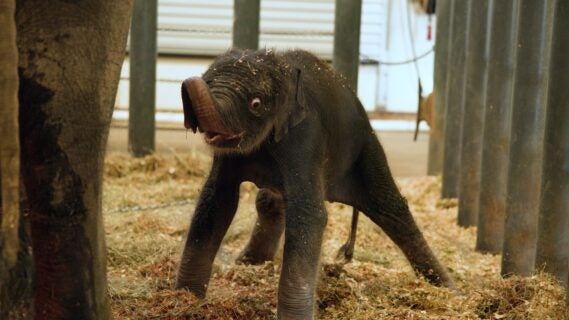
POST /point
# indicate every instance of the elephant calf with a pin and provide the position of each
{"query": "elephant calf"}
(290, 124)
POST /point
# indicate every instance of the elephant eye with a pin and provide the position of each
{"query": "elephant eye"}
(256, 105)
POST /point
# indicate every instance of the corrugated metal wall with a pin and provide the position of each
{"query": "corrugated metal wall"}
(203, 27)
(191, 28)
(374, 29)
(194, 27)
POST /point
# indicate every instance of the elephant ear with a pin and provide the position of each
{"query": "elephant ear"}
(295, 106)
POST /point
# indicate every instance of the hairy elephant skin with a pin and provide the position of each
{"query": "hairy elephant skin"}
(290, 124)
(70, 56)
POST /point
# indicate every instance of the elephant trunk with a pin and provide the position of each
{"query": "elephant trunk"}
(199, 108)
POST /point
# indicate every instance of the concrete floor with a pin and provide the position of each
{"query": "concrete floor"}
(406, 158)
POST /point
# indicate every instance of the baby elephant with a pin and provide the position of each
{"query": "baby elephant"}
(290, 124)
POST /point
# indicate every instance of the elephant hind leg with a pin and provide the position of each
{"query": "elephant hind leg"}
(379, 198)
(397, 222)
(268, 229)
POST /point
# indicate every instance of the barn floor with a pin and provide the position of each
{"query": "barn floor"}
(406, 157)
(148, 203)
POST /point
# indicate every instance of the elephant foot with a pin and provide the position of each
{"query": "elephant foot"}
(254, 257)
(193, 279)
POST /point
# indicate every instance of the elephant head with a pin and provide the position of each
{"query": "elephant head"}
(244, 99)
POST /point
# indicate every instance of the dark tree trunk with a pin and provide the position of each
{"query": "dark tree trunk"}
(9, 144)
(16, 292)
(436, 135)
(347, 25)
(526, 147)
(455, 99)
(10, 298)
(246, 23)
(496, 136)
(70, 55)
(472, 116)
(553, 228)
(142, 88)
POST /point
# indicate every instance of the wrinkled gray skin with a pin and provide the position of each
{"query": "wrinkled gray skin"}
(291, 125)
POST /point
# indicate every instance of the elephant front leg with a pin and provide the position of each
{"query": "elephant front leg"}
(214, 213)
(305, 222)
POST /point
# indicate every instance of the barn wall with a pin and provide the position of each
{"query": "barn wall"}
(192, 32)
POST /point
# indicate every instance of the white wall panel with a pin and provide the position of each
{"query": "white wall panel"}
(191, 28)
(203, 27)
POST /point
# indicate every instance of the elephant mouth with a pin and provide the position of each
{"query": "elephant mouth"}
(221, 140)
(200, 114)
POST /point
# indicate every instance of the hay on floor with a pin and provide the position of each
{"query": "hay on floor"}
(144, 245)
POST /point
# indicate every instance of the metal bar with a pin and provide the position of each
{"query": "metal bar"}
(528, 115)
(553, 226)
(442, 42)
(472, 118)
(496, 135)
(246, 24)
(142, 95)
(347, 39)
(346, 60)
(455, 100)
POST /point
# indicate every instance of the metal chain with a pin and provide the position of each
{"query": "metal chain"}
(150, 207)
(412, 60)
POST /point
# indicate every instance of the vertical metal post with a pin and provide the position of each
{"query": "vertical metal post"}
(497, 119)
(347, 24)
(473, 114)
(442, 42)
(553, 226)
(246, 24)
(455, 99)
(524, 174)
(346, 56)
(142, 57)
